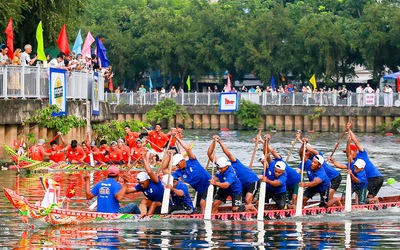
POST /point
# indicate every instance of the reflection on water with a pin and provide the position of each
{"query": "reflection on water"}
(366, 229)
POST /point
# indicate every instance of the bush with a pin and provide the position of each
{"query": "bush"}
(249, 114)
(168, 110)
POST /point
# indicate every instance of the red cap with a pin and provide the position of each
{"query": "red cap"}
(113, 170)
(352, 147)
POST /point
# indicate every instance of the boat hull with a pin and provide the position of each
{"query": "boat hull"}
(59, 216)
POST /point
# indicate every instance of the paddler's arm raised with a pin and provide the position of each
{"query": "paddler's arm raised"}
(186, 147)
(123, 189)
(210, 151)
(146, 163)
(89, 195)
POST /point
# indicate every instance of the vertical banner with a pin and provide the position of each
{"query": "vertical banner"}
(58, 90)
(95, 94)
(228, 102)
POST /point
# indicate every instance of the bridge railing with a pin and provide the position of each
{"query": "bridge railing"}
(263, 99)
(33, 82)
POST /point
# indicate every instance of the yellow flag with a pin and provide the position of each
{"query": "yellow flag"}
(313, 81)
(188, 83)
(39, 38)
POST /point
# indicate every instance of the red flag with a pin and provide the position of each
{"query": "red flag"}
(228, 85)
(62, 40)
(10, 39)
(16, 143)
(70, 191)
(111, 85)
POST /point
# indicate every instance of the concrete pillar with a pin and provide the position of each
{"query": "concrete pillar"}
(215, 122)
(197, 121)
(298, 122)
(188, 122)
(325, 124)
(129, 116)
(334, 124)
(138, 117)
(370, 124)
(379, 120)
(233, 122)
(316, 123)
(178, 120)
(289, 123)
(280, 122)
(206, 122)
(10, 133)
(270, 122)
(343, 120)
(224, 121)
(360, 123)
(3, 154)
(307, 123)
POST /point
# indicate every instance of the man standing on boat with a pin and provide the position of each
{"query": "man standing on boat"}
(152, 188)
(110, 193)
(228, 185)
(375, 178)
(130, 137)
(318, 181)
(191, 172)
(173, 134)
(157, 140)
(250, 181)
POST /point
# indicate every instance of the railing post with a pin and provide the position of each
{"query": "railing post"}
(5, 76)
(182, 98)
(208, 98)
(294, 98)
(377, 99)
(195, 98)
(307, 99)
(279, 98)
(38, 82)
(23, 82)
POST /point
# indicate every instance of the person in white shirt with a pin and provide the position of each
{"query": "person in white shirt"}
(26, 58)
(368, 89)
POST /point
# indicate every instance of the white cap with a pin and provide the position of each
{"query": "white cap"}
(142, 176)
(41, 142)
(360, 163)
(280, 165)
(176, 159)
(319, 159)
(165, 179)
(222, 162)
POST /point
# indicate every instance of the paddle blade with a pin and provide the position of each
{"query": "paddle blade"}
(165, 201)
(299, 205)
(261, 201)
(91, 159)
(210, 193)
(347, 206)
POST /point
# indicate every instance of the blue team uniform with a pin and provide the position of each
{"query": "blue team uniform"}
(105, 192)
(154, 192)
(195, 175)
(245, 174)
(235, 187)
(271, 176)
(184, 200)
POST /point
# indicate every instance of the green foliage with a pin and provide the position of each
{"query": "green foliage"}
(390, 126)
(167, 109)
(317, 113)
(112, 131)
(59, 123)
(249, 114)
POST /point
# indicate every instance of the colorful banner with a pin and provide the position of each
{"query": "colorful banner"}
(370, 99)
(95, 94)
(58, 90)
(228, 102)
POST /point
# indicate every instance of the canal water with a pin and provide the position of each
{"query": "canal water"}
(358, 229)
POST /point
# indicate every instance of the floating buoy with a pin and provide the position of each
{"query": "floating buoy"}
(389, 134)
(310, 131)
(224, 129)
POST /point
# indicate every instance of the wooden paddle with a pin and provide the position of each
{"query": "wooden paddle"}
(255, 149)
(347, 206)
(337, 144)
(291, 149)
(299, 204)
(210, 190)
(263, 186)
(163, 159)
(167, 191)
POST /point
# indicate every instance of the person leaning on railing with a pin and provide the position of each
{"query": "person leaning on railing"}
(26, 58)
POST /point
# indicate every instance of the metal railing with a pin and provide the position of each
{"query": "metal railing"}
(33, 82)
(263, 99)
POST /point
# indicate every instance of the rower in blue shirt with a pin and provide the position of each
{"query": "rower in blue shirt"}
(318, 181)
(191, 172)
(374, 177)
(180, 203)
(228, 185)
(359, 180)
(276, 178)
(249, 180)
(152, 188)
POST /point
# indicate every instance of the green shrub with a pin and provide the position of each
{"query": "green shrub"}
(249, 114)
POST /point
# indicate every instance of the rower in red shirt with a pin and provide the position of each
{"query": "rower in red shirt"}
(115, 154)
(131, 137)
(104, 152)
(37, 151)
(137, 151)
(75, 153)
(125, 150)
(56, 151)
(177, 132)
(157, 140)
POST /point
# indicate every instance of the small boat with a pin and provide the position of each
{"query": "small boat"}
(55, 215)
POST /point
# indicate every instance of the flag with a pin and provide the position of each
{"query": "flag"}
(110, 84)
(228, 85)
(86, 45)
(10, 39)
(78, 44)
(150, 84)
(70, 191)
(48, 183)
(16, 143)
(62, 40)
(39, 38)
(313, 81)
(273, 83)
(188, 83)
(101, 53)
